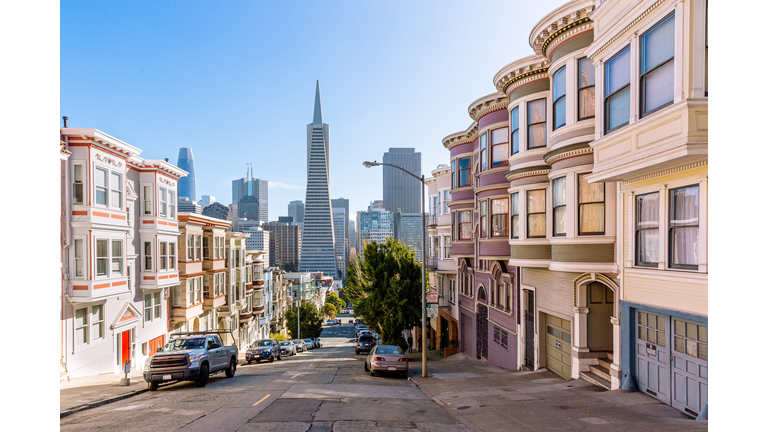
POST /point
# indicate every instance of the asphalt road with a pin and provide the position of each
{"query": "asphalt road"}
(325, 389)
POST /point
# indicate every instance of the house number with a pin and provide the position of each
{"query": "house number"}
(650, 349)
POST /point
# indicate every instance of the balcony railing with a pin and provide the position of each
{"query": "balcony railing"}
(431, 220)
(431, 262)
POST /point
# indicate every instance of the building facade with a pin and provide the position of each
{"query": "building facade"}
(296, 210)
(187, 184)
(402, 191)
(217, 210)
(340, 244)
(409, 231)
(207, 200)
(375, 224)
(284, 245)
(255, 194)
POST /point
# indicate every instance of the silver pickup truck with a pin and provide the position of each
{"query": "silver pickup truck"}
(190, 356)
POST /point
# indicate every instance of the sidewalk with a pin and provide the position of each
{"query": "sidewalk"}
(78, 394)
(487, 398)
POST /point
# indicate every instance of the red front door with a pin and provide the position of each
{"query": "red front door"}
(125, 338)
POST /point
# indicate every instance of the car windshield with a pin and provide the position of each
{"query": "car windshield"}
(307, 340)
(185, 344)
(389, 350)
(366, 339)
(286, 343)
(297, 342)
(262, 343)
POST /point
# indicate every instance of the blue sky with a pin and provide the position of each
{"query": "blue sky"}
(236, 82)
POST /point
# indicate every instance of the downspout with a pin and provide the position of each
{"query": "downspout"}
(65, 240)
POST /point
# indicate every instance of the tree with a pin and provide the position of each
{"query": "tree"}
(329, 310)
(385, 286)
(343, 296)
(333, 299)
(311, 321)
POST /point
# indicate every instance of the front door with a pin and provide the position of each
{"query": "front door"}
(482, 331)
(689, 366)
(652, 355)
(125, 348)
(559, 346)
(529, 331)
(443, 333)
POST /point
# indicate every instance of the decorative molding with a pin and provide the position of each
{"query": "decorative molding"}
(525, 78)
(623, 31)
(488, 106)
(562, 34)
(690, 166)
(168, 182)
(109, 160)
(614, 320)
(464, 138)
(518, 176)
(568, 154)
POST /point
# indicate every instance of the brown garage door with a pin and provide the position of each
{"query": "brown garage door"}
(559, 346)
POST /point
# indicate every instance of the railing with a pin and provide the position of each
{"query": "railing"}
(431, 262)
(431, 220)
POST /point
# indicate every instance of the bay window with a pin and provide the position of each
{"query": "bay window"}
(499, 147)
(163, 204)
(100, 185)
(647, 229)
(147, 256)
(198, 257)
(221, 247)
(464, 172)
(586, 89)
(198, 291)
(684, 227)
(163, 254)
(446, 247)
(465, 225)
(147, 201)
(453, 174)
(172, 203)
(483, 152)
(190, 292)
(591, 207)
(657, 66)
(116, 190)
(172, 256)
(79, 259)
(190, 248)
(537, 213)
(77, 184)
(537, 124)
(117, 258)
(514, 125)
(102, 257)
(499, 212)
(446, 200)
(617, 91)
(515, 213)
(558, 203)
(558, 109)
(483, 219)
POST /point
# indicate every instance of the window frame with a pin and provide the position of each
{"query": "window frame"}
(96, 187)
(555, 207)
(642, 80)
(607, 97)
(106, 257)
(147, 199)
(671, 229)
(484, 151)
(82, 259)
(484, 219)
(528, 214)
(172, 203)
(93, 323)
(82, 182)
(454, 179)
(580, 89)
(578, 200)
(460, 223)
(468, 169)
(162, 202)
(504, 161)
(88, 326)
(557, 99)
(112, 258)
(118, 191)
(504, 217)
(148, 256)
(514, 134)
(529, 124)
(516, 214)
(163, 255)
(637, 230)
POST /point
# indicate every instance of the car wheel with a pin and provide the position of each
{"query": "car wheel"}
(373, 374)
(249, 361)
(357, 352)
(231, 369)
(271, 359)
(365, 366)
(258, 361)
(153, 385)
(202, 380)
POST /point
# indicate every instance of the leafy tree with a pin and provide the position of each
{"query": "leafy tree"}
(278, 336)
(329, 310)
(343, 296)
(311, 321)
(385, 286)
(333, 299)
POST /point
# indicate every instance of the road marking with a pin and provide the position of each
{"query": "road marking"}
(262, 400)
(294, 376)
(310, 365)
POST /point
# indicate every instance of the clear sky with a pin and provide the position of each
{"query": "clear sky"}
(235, 81)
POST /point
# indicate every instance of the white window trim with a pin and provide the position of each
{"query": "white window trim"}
(151, 256)
(90, 342)
(106, 185)
(124, 258)
(84, 258)
(84, 167)
(161, 201)
(145, 199)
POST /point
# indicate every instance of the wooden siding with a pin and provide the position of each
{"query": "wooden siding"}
(554, 290)
(688, 297)
(582, 253)
(531, 251)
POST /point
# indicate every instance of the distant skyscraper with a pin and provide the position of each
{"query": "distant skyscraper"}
(340, 240)
(401, 191)
(408, 232)
(187, 185)
(352, 237)
(217, 210)
(207, 200)
(284, 244)
(343, 203)
(296, 209)
(185, 205)
(253, 187)
(317, 253)
(374, 225)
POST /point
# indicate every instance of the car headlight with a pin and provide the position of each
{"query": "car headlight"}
(194, 358)
(147, 362)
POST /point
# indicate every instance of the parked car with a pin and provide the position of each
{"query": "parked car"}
(389, 358)
(319, 342)
(190, 356)
(264, 349)
(331, 322)
(310, 343)
(301, 346)
(365, 344)
(287, 348)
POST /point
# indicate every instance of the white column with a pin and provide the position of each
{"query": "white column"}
(699, 22)
(571, 205)
(599, 102)
(571, 91)
(703, 222)
(634, 78)
(680, 41)
(616, 365)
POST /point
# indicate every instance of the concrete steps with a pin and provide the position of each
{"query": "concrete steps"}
(594, 379)
(600, 374)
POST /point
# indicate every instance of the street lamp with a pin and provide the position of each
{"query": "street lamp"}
(368, 164)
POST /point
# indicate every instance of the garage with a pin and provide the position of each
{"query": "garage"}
(558, 346)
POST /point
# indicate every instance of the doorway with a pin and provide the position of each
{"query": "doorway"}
(482, 332)
(529, 329)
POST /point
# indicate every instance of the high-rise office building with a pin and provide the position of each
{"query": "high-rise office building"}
(296, 209)
(352, 237)
(317, 253)
(340, 244)
(217, 210)
(375, 224)
(185, 205)
(408, 231)
(187, 185)
(402, 191)
(207, 200)
(337, 204)
(249, 186)
(284, 244)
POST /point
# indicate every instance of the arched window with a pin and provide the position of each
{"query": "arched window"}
(481, 294)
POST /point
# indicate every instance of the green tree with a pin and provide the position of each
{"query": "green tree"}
(311, 321)
(343, 296)
(278, 336)
(385, 286)
(333, 299)
(329, 310)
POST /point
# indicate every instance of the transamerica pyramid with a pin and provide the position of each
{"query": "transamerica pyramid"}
(317, 253)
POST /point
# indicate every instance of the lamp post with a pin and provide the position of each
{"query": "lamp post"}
(423, 265)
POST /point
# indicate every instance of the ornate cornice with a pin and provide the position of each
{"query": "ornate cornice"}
(518, 175)
(467, 137)
(488, 105)
(690, 166)
(558, 22)
(581, 26)
(626, 28)
(521, 77)
(567, 154)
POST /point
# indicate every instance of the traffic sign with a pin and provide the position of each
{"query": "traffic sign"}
(432, 311)
(432, 296)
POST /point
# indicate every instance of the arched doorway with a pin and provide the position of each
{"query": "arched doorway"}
(196, 325)
(482, 324)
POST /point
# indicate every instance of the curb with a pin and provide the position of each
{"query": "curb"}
(99, 403)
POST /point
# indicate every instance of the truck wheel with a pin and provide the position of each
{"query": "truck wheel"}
(231, 369)
(202, 380)
(249, 362)
(153, 385)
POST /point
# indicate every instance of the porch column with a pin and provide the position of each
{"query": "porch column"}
(579, 343)
(616, 365)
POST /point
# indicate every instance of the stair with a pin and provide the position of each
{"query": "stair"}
(601, 371)
(594, 379)
(600, 374)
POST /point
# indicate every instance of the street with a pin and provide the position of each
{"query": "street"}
(320, 390)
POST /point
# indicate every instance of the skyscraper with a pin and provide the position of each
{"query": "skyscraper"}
(187, 185)
(258, 189)
(408, 231)
(343, 203)
(340, 240)
(207, 200)
(376, 224)
(317, 252)
(296, 209)
(401, 191)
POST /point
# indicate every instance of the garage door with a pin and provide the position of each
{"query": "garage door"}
(689, 366)
(559, 346)
(652, 354)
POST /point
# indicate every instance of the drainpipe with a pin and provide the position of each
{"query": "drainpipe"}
(65, 240)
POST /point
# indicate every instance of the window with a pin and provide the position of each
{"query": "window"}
(147, 256)
(464, 172)
(465, 225)
(537, 217)
(81, 326)
(77, 184)
(100, 179)
(558, 204)
(483, 219)
(657, 66)
(221, 247)
(690, 338)
(453, 174)
(102, 257)
(147, 307)
(446, 200)
(558, 108)
(177, 296)
(79, 259)
(591, 207)
(190, 248)
(163, 256)
(163, 202)
(172, 203)
(198, 291)
(617, 91)
(500, 336)
(515, 212)
(147, 201)
(117, 258)
(172, 255)
(116, 190)
(652, 328)
(586, 89)
(647, 229)
(190, 291)
(514, 124)
(483, 152)
(197, 248)
(499, 147)
(206, 252)
(537, 124)
(446, 247)
(684, 227)
(207, 287)
(499, 212)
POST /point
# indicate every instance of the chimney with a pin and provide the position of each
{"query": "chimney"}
(65, 120)
(166, 159)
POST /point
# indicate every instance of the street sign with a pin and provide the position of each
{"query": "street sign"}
(432, 296)
(432, 311)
